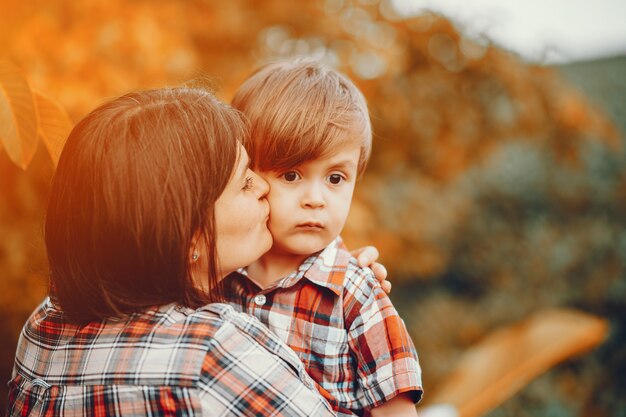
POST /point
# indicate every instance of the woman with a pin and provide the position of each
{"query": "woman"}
(151, 205)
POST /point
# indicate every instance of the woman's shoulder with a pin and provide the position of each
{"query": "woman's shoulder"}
(152, 326)
(146, 347)
(227, 356)
(157, 323)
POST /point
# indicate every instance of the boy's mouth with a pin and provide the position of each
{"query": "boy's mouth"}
(311, 226)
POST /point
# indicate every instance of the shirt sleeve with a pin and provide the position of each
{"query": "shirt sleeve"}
(387, 361)
(247, 375)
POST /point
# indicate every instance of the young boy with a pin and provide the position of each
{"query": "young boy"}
(311, 140)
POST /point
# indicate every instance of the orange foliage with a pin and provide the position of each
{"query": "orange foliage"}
(26, 116)
(18, 116)
(440, 102)
(452, 117)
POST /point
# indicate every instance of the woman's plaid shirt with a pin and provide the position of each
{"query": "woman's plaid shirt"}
(170, 360)
(343, 326)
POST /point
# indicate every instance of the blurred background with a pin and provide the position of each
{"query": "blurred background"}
(498, 174)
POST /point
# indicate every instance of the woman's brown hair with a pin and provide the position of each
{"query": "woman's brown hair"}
(137, 179)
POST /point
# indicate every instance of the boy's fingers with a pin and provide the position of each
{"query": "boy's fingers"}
(386, 286)
(366, 256)
(379, 271)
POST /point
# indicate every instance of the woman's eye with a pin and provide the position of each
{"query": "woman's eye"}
(248, 184)
(291, 176)
(335, 178)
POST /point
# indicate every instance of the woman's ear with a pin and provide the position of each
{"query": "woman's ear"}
(198, 262)
(195, 248)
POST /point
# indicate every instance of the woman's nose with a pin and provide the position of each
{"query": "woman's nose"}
(262, 187)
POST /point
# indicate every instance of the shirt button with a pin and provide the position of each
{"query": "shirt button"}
(40, 383)
(260, 299)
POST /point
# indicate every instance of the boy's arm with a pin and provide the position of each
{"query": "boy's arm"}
(400, 406)
(387, 363)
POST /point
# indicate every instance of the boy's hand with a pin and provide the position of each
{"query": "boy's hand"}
(367, 256)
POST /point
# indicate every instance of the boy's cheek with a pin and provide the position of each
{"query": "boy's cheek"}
(274, 203)
(276, 220)
(278, 197)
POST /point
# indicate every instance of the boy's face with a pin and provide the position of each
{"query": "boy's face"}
(309, 204)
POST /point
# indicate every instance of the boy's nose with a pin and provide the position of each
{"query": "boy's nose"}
(313, 203)
(313, 198)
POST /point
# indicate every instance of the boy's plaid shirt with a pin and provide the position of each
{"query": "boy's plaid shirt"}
(341, 323)
(167, 361)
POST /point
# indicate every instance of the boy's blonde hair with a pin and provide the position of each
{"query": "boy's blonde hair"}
(299, 111)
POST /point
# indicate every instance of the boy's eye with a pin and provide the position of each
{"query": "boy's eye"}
(335, 178)
(291, 176)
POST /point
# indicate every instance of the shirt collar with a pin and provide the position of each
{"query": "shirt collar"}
(326, 268)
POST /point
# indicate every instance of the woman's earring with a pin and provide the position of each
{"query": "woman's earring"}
(195, 256)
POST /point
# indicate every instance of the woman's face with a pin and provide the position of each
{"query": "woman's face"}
(241, 214)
